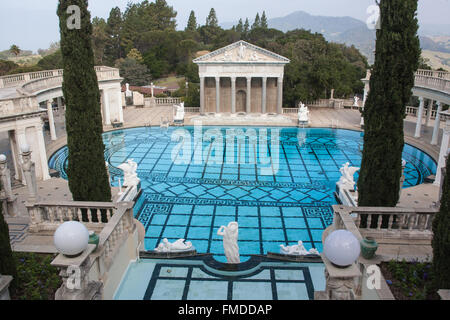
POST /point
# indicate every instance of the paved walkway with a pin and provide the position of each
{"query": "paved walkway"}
(422, 196)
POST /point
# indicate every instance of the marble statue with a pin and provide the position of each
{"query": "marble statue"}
(355, 103)
(347, 179)
(303, 113)
(298, 249)
(129, 169)
(177, 246)
(242, 51)
(179, 114)
(128, 93)
(227, 56)
(230, 245)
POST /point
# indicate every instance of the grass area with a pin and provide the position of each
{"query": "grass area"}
(26, 60)
(437, 59)
(409, 280)
(168, 81)
(36, 278)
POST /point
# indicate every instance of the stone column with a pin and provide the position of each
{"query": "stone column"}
(264, 95)
(202, 95)
(280, 96)
(60, 106)
(106, 113)
(51, 120)
(419, 118)
(443, 152)
(21, 141)
(119, 102)
(437, 124)
(42, 152)
(14, 154)
(249, 95)
(233, 94)
(29, 171)
(429, 110)
(217, 94)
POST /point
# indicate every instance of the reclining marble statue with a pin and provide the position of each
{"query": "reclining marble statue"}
(298, 249)
(230, 245)
(303, 113)
(177, 246)
(129, 169)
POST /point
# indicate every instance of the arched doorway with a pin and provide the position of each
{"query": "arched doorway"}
(241, 101)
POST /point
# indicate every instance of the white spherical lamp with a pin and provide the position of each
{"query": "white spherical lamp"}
(342, 248)
(2, 158)
(71, 238)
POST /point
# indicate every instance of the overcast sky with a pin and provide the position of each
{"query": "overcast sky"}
(33, 24)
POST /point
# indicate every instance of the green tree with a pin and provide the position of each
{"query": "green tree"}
(240, 26)
(88, 178)
(441, 237)
(257, 23)
(246, 27)
(264, 23)
(99, 39)
(396, 60)
(133, 72)
(7, 261)
(192, 23)
(7, 66)
(113, 50)
(15, 50)
(211, 20)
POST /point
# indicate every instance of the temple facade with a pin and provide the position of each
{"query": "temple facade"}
(241, 78)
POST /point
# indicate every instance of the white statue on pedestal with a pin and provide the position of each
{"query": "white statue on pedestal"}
(298, 249)
(355, 101)
(303, 113)
(230, 245)
(177, 246)
(347, 180)
(128, 93)
(242, 51)
(129, 170)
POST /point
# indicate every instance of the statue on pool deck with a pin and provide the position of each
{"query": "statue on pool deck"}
(347, 181)
(355, 101)
(129, 170)
(177, 246)
(230, 245)
(298, 249)
(303, 113)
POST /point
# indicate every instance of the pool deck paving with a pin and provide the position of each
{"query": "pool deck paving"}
(56, 189)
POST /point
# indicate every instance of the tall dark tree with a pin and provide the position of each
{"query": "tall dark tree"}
(192, 22)
(113, 30)
(88, 178)
(257, 23)
(246, 26)
(441, 237)
(396, 60)
(7, 262)
(264, 23)
(211, 20)
(240, 26)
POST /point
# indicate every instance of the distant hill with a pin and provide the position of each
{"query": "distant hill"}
(351, 31)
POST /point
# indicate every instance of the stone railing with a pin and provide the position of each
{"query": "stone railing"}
(386, 223)
(192, 109)
(160, 102)
(103, 73)
(100, 270)
(47, 216)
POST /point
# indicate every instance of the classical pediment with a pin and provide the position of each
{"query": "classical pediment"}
(242, 52)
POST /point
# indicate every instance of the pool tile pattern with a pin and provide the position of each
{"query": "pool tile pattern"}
(192, 200)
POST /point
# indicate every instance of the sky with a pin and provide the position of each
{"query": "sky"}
(32, 24)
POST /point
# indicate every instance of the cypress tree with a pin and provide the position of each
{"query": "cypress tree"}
(396, 60)
(257, 22)
(246, 26)
(211, 20)
(88, 179)
(7, 262)
(441, 237)
(264, 23)
(192, 23)
(240, 26)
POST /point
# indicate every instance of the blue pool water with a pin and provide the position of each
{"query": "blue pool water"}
(277, 183)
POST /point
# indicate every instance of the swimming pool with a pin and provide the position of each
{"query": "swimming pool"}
(277, 183)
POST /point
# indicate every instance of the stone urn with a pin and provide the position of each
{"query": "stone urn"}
(93, 239)
(368, 247)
